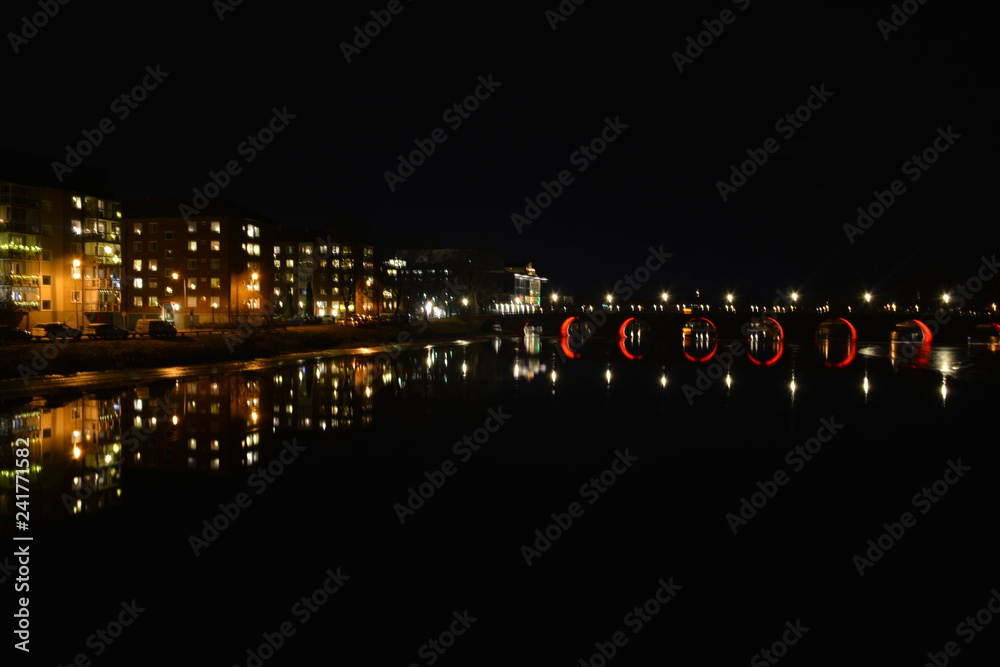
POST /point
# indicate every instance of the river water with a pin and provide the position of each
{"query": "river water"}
(688, 502)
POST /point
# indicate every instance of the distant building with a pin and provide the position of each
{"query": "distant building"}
(521, 289)
(447, 281)
(322, 275)
(212, 267)
(60, 244)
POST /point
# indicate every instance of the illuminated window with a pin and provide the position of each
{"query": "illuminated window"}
(214, 408)
(153, 264)
(192, 444)
(289, 263)
(137, 228)
(154, 301)
(192, 227)
(277, 250)
(77, 202)
(277, 263)
(137, 283)
(137, 265)
(216, 283)
(216, 245)
(193, 246)
(137, 301)
(216, 226)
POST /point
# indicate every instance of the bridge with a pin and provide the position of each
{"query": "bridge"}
(943, 327)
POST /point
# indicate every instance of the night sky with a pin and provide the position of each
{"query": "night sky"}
(554, 90)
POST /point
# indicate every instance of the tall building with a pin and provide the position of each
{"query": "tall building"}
(438, 282)
(60, 244)
(196, 270)
(322, 275)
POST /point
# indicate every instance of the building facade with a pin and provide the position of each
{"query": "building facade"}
(196, 270)
(317, 275)
(60, 246)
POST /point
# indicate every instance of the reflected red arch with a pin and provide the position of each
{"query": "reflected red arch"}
(628, 355)
(715, 348)
(781, 330)
(771, 361)
(852, 352)
(564, 329)
(567, 350)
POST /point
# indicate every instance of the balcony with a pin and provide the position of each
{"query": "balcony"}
(20, 279)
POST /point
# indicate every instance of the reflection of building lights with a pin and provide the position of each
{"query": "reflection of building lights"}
(174, 420)
(116, 448)
(663, 380)
(76, 452)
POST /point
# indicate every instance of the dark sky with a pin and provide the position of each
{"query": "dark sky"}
(656, 184)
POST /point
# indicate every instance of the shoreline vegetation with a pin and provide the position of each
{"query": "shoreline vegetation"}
(34, 359)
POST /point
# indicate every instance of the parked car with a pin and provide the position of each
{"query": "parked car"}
(9, 333)
(55, 331)
(105, 331)
(154, 329)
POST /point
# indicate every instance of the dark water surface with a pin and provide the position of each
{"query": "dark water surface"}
(649, 467)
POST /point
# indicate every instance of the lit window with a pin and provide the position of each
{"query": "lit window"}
(154, 301)
(192, 444)
(193, 246)
(216, 226)
(153, 264)
(137, 265)
(192, 227)
(137, 228)
(289, 263)
(277, 250)
(216, 283)
(277, 263)
(192, 301)
(137, 283)
(137, 301)
(216, 245)
(77, 202)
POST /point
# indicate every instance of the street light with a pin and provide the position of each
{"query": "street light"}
(177, 276)
(214, 306)
(868, 297)
(79, 284)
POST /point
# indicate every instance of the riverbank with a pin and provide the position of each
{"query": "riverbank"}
(44, 358)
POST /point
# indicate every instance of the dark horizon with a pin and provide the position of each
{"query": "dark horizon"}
(878, 97)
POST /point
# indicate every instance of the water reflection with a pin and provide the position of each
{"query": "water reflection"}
(83, 446)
